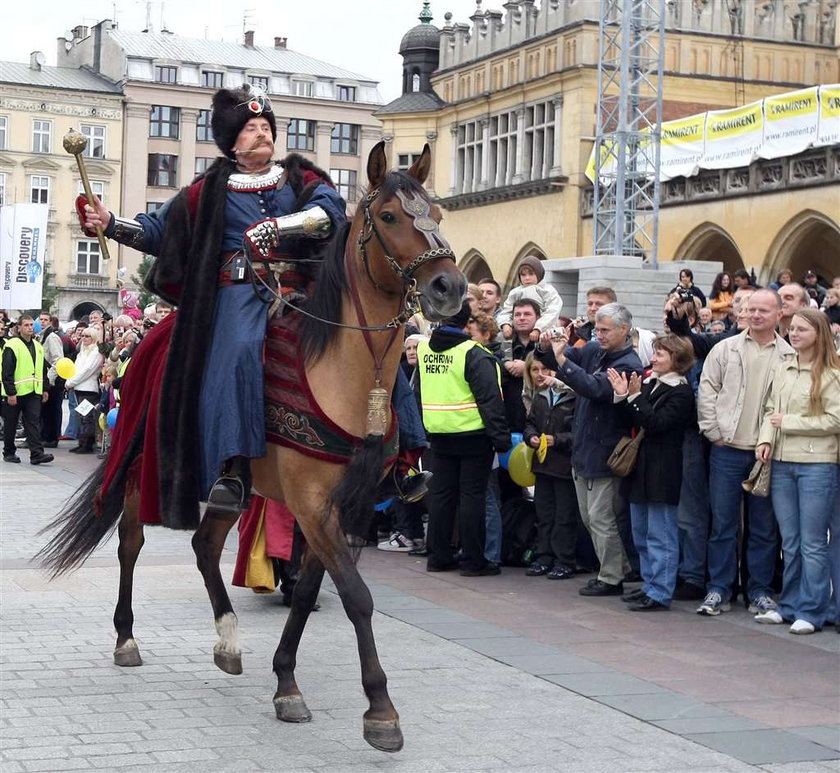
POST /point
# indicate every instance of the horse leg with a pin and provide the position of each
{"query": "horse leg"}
(288, 702)
(208, 543)
(127, 653)
(381, 728)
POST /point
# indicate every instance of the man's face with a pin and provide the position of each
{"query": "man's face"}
(593, 303)
(490, 298)
(44, 319)
(705, 315)
(524, 319)
(254, 142)
(741, 281)
(27, 328)
(763, 312)
(792, 300)
(610, 335)
(810, 279)
(163, 312)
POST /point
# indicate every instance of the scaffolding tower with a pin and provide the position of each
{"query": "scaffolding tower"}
(626, 197)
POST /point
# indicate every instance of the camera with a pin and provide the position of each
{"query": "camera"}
(149, 324)
(685, 296)
(106, 317)
(557, 332)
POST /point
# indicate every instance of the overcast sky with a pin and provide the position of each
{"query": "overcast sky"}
(359, 35)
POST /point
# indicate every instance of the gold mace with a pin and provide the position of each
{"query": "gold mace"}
(75, 144)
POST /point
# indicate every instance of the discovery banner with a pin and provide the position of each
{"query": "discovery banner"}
(23, 242)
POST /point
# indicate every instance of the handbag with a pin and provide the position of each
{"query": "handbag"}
(622, 460)
(758, 482)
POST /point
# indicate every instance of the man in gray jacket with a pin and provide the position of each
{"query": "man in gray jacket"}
(735, 382)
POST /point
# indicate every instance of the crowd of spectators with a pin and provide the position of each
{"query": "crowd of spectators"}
(741, 376)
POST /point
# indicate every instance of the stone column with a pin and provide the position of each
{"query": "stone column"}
(453, 174)
(280, 149)
(186, 163)
(556, 166)
(519, 173)
(431, 138)
(484, 182)
(323, 134)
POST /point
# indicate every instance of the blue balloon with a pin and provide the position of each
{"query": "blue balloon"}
(515, 439)
(38, 326)
(383, 505)
(111, 418)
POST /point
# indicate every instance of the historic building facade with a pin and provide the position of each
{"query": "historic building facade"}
(38, 106)
(322, 111)
(509, 110)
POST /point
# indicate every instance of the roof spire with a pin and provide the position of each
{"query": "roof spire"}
(426, 14)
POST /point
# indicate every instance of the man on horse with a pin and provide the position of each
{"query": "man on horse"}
(222, 244)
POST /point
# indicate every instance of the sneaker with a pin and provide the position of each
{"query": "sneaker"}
(537, 569)
(42, 459)
(599, 588)
(561, 572)
(770, 617)
(713, 605)
(12, 459)
(802, 627)
(398, 543)
(688, 591)
(762, 604)
(634, 596)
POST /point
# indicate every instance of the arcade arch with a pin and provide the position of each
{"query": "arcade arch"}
(808, 241)
(475, 266)
(512, 280)
(709, 241)
(85, 307)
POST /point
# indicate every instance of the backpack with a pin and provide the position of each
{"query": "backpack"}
(519, 532)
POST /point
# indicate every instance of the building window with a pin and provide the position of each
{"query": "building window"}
(39, 189)
(87, 256)
(4, 124)
(165, 74)
(345, 183)
(539, 140)
(96, 140)
(211, 79)
(2, 188)
(203, 130)
(346, 93)
(153, 206)
(406, 160)
(202, 165)
(301, 135)
(261, 81)
(97, 188)
(503, 140)
(164, 121)
(302, 88)
(345, 139)
(470, 154)
(162, 170)
(41, 131)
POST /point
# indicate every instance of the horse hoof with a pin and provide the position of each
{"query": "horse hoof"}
(291, 708)
(228, 662)
(383, 734)
(128, 654)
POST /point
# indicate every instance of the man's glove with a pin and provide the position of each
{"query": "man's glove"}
(266, 234)
(263, 235)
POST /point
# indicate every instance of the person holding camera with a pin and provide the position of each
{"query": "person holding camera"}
(686, 289)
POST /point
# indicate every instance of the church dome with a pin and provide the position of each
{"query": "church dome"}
(424, 36)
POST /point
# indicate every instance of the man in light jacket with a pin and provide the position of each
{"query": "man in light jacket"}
(736, 378)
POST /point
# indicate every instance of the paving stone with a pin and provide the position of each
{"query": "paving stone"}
(661, 706)
(764, 746)
(603, 683)
(824, 735)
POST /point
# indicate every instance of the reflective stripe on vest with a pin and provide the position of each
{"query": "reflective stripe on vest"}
(448, 402)
(29, 376)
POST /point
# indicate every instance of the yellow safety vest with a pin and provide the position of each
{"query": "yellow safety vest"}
(448, 402)
(29, 375)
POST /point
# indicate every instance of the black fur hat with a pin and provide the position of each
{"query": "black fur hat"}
(232, 109)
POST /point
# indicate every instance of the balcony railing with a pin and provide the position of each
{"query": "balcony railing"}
(87, 282)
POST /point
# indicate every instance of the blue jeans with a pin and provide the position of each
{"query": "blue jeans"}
(803, 498)
(74, 422)
(727, 468)
(693, 513)
(657, 539)
(493, 521)
(834, 551)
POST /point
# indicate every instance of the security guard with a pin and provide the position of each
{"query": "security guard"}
(464, 414)
(25, 388)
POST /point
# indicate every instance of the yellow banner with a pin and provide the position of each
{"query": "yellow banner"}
(723, 124)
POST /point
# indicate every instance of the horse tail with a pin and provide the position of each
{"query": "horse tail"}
(355, 496)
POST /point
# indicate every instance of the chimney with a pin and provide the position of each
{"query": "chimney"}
(249, 39)
(36, 60)
(80, 32)
(280, 42)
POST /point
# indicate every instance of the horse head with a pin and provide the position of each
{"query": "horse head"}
(397, 231)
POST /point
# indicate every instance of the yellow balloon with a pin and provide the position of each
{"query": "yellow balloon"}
(102, 421)
(65, 368)
(519, 465)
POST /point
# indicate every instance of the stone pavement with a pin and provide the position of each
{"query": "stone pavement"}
(496, 673)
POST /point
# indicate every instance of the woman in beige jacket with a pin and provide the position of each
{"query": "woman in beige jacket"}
(801, 432)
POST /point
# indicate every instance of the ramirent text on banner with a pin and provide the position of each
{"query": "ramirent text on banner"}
(828, 131)
(23, 241)
(733, 137)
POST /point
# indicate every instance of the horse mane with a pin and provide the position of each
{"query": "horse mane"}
(331, 281)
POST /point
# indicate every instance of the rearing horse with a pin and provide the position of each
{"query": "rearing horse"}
(393, 254)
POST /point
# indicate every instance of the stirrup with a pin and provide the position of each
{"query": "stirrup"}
(227, 497)
(412, 488)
